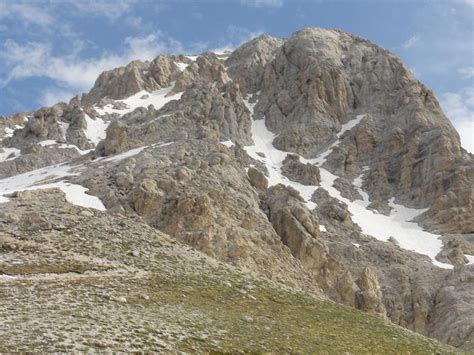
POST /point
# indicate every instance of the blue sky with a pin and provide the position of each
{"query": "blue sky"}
(51, 50)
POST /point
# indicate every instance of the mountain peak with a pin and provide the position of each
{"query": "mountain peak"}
(318, 161)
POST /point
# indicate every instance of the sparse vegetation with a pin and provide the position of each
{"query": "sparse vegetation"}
(72, 294)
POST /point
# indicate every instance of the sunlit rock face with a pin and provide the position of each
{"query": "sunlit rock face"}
(318, 161)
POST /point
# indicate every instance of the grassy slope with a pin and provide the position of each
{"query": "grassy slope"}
(79, 288)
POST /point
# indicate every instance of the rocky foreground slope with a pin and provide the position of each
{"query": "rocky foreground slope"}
(82, 280)
(317, 161)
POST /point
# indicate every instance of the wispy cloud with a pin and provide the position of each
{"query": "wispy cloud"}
(48, 14)
(262, 3)
(26, 13)
(110, 9)
(467, 73)
(411, 42)
(76, 74)
(467, 2)
(234, 36)
(459, 108)
(52, 95)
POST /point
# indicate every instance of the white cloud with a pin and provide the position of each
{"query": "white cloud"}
(467, 2)
(111, 9)
(262, 3)
(467, 73)
(411, 42)
(47, 14)
(53, 95)
(235, 36)
(27, 13)
(459, 108)
(77, 74)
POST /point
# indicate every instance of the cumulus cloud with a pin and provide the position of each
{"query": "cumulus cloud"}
(459, 108)
(36, 59)
(262, 3)
(52, 95)
(411, 42)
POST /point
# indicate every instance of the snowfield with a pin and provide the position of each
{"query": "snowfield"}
(45, 178)
(228, 143)
(9, 154)
(55, 176)
(273, 159)
(50, 143)
(95, 130)
(143, 98)
(398, 224)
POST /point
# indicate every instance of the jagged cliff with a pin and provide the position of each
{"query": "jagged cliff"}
(315, 161)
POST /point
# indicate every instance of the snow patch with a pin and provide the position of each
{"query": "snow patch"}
(125, 155)
(132, 152)
(228, 143)
(80, 151)
(41, 179)
(5, 155)
(409, 235)
(470, 259)
(64, 127)
(95, 130)
(398, 224)
(344, 128)
(322, 228)
(75, 194)
(8, 132)
(273, 158)
(47, 143)
(156, 98)
(182, 66)
(357, 245)
(50, 142)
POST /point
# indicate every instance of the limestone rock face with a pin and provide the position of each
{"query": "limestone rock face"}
(116, 139)
(257, 179)
(307, 174)
(207, 67)
(452, 309)
(369, 297)
(125, 81)
(148, 198)
(320, 79)
(118, 83)
(347, 290)
(295, 225)
(333, 210)
(42, 125)
(356, 130)
(75, 118)
(246, 64)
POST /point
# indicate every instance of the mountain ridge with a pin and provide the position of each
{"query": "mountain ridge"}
(282, 157)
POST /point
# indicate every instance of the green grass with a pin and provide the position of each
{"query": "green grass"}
(288, 322)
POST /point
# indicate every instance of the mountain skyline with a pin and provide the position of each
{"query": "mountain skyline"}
(317, 162)
(54, 50)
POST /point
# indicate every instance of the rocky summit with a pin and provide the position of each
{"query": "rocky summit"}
(295, 195)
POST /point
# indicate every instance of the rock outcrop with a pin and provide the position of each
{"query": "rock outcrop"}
(294, 169)
(350, 130)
